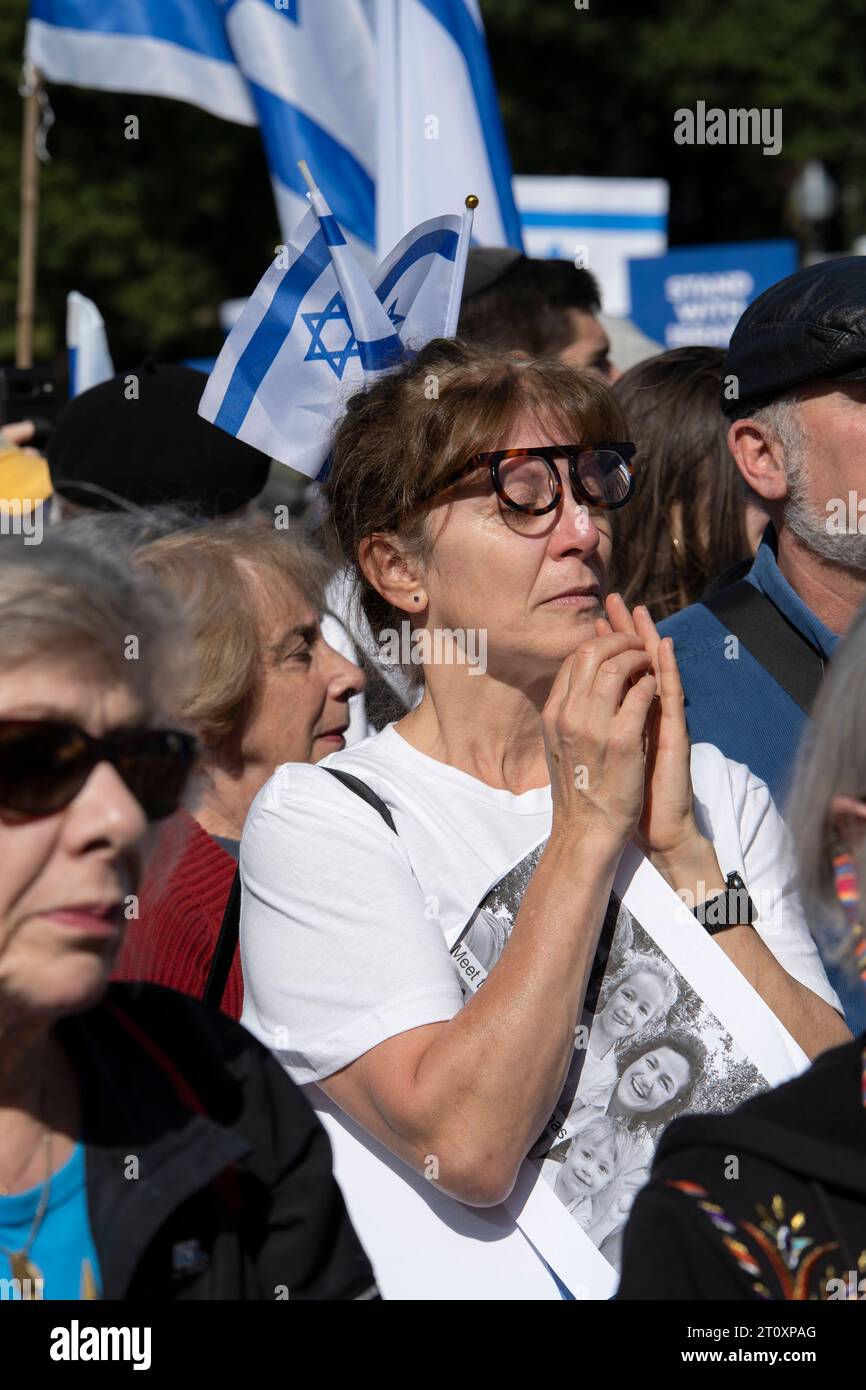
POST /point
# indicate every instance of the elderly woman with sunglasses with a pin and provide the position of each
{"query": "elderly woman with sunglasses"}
(473, 494)
(149, 1148)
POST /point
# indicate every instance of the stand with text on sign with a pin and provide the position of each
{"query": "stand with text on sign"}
(670, 1026)
(696, 295)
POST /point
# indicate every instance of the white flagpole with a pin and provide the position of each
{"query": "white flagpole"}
(307, 176)
(463, 242)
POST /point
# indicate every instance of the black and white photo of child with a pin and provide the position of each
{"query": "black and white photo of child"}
(607, 1230)
(634, 1002)
(584, 1170)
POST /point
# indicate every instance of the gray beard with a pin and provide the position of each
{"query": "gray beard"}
(811, 528)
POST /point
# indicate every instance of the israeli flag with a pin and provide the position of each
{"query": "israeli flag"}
(393, 102)
(170, 48)
(310, 69)
(88, 357)
(440, 129)
(315, 331)
(304, 71)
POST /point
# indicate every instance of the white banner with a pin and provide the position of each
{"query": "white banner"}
(599, 224)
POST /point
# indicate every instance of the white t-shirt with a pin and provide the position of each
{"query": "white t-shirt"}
(346, 931)
(346, 927)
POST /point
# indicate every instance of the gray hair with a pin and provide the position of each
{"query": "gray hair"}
(803, 519)
(121, 533)
(782, 419)
(781, 416)
(65, 602)
(831, 762)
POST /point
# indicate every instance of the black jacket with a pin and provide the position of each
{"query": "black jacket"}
(768, 1202)
(208, 1174)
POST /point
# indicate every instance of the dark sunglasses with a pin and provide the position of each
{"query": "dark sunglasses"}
(528, 480)
(44, 765)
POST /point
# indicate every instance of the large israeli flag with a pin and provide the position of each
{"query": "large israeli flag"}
(315, 331)
(302, 70)
(88, 355)
(392, 102)
(310, 67)
(440, 130)
(171, 48)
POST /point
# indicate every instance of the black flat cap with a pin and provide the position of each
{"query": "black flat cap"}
(812, 324)
(143, 443)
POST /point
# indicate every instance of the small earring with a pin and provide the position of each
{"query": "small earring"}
(417, 598)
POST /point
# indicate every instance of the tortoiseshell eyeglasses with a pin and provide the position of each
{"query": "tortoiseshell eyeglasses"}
(529, 480)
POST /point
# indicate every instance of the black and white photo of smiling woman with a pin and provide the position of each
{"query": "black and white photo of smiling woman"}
(656, 1079)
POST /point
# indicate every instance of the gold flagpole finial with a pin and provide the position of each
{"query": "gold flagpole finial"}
(471, 201)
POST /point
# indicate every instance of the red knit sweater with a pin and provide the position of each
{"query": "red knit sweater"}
(179, 915)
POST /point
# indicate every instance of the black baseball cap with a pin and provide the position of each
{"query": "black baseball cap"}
(144, 444)
(812, 324)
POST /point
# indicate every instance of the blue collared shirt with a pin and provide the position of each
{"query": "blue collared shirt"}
(731, 700)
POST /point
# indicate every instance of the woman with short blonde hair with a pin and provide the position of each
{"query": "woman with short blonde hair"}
(264, 689)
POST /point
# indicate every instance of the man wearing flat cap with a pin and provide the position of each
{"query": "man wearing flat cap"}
(752, 656)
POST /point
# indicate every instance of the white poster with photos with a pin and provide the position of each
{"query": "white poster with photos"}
(671, 1027)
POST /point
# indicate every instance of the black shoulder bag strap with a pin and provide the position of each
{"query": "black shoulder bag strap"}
(366, 794)
(784, 653)
(227, 941)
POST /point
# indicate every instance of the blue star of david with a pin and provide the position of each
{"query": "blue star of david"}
(318, 351)
(336, 356)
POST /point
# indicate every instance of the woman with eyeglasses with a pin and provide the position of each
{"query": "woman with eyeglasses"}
(473, 494)
(149, 1148)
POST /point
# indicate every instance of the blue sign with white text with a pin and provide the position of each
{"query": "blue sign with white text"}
(695, 295)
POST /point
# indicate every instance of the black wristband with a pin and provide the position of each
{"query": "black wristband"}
(733, 908)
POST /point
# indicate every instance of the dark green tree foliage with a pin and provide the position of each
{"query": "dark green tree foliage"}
(594, 91)
(159, 230)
